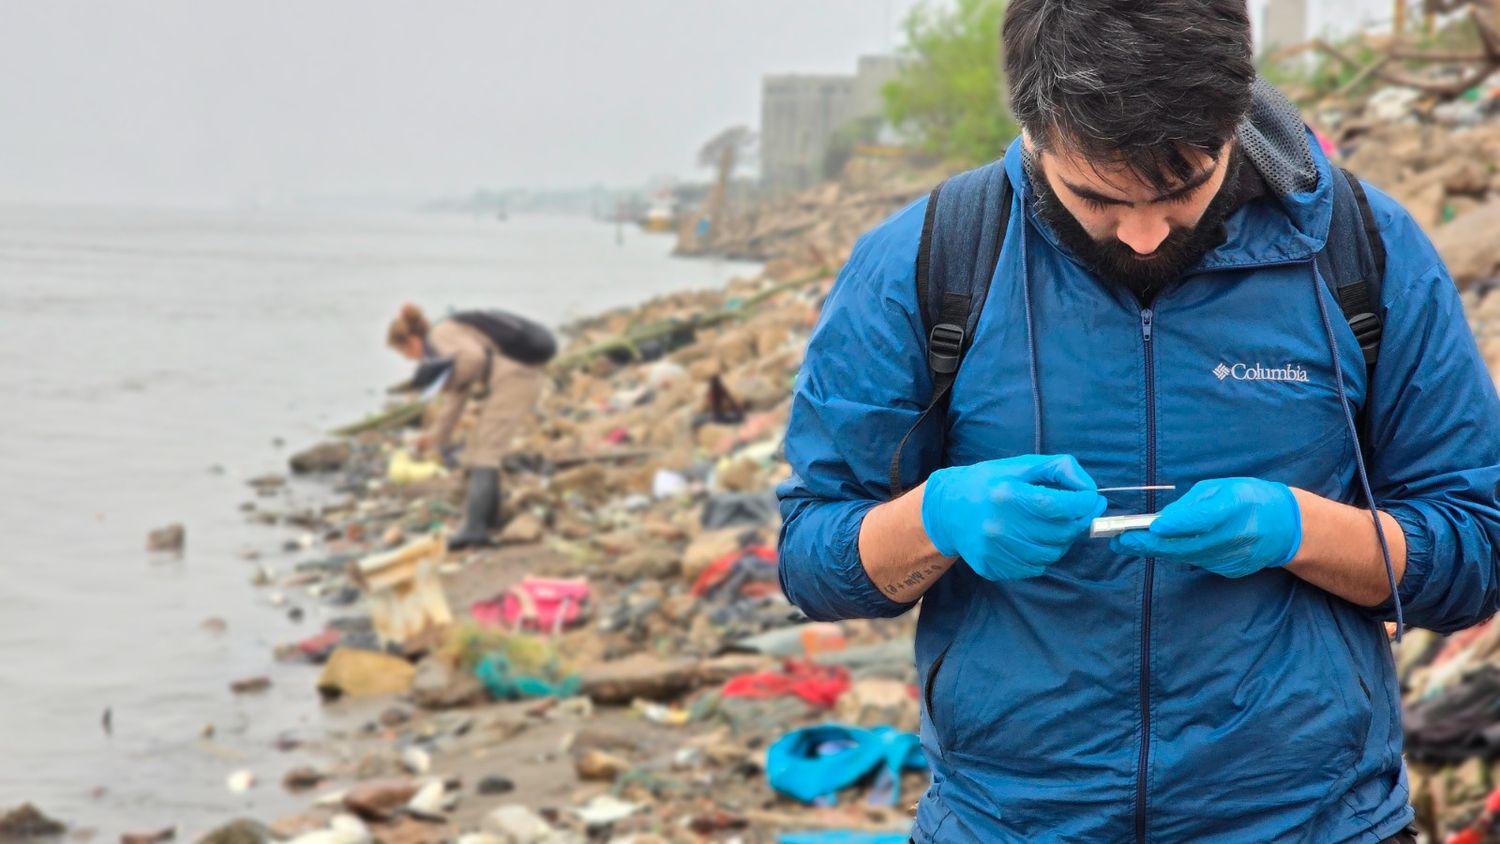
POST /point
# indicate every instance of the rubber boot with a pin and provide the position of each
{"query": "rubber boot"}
(481, 511)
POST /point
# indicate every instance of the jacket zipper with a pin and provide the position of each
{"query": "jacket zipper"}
(1140, 777)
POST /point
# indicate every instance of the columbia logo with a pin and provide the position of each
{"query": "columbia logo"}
(1256, 372)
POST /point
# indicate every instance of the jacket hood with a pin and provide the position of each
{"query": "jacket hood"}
(1292, 227)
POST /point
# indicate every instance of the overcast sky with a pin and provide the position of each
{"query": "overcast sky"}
(228, 101)
(214, 101)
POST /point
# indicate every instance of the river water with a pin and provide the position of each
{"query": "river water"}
(150, 363)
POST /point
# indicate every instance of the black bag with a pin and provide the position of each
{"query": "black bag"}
(518, 338)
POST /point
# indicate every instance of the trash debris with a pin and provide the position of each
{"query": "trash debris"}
(537, 604)
(404, 469)
(241, 781)
(356, 673)
(250, 685)
(604, 810)
(156, 837)
(818, 761)
(167, 540)
(406, 598)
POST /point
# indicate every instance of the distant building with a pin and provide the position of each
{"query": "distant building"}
(1284, 24)
(800, 113)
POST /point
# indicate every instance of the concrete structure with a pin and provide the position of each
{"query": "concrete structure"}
(800, 113)
(1284, 24)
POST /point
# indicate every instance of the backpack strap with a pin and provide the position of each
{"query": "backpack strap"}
(962, 233)
(1352, 264)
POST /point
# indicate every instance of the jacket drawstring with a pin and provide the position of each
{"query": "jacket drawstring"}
(1359, 454)
(1036, 384)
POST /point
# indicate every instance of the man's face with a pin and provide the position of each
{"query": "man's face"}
(1128, 230)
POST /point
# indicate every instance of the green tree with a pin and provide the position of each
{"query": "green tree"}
(951, 94)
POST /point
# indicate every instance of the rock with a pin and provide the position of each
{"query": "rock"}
(156, 837)
(416, 760)
(642, 676)
(324, 457)
(355, 673)
(494, 784)
(215, 625)
(605, 810)
(879, 701)
(518, 824)
(587, 480)
(376, 800)
(395, 716)
(265, 483)
(342, 829)
(167, 540)
(716, 439)
(523, 529)
(740, 474)
(756, 392)
(437, 686)
(1469, 245)
(301, 779)
(239, 832)
(250, 685)
(707, 548)
(597, 765)
(599, 738)
(27, 821)
(293, 826)
(428, 802)
(240, 781)
(650, 562)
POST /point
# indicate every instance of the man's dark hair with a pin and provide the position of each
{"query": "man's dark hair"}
(1136, 82)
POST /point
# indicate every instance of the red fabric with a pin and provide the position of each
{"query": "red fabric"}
(320, 644)
(819, 685)
(1468, 836)
(720, 568)
(1492, 804)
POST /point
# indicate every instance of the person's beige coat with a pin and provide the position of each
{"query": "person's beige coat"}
(504, 400)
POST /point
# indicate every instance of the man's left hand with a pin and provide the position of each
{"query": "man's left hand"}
(1230, 526)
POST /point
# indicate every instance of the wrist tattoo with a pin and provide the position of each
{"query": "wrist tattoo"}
(919, 576)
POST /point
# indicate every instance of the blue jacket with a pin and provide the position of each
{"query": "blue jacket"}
(1076, 705)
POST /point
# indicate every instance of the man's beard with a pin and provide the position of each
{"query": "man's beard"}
(1113, 261)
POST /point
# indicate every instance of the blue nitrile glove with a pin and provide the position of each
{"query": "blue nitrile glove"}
(1231, 526)
(1010, 518)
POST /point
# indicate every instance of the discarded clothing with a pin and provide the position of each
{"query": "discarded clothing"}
(795, 767)
(817, 684)
(750, 572)
(739, 508)
(1463, 722)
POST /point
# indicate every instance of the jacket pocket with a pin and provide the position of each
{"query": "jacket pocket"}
(928, 684)
(1356, 687)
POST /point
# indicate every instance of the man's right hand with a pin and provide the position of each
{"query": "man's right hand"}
(1010, 518)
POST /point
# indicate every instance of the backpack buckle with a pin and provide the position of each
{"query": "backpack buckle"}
(945, 345)
(1366, 328)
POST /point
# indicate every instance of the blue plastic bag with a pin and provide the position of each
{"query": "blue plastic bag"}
(797, 766)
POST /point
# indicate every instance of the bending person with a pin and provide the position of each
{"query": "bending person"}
(494, 358)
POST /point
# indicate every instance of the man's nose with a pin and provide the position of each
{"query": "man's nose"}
(1143, 232)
